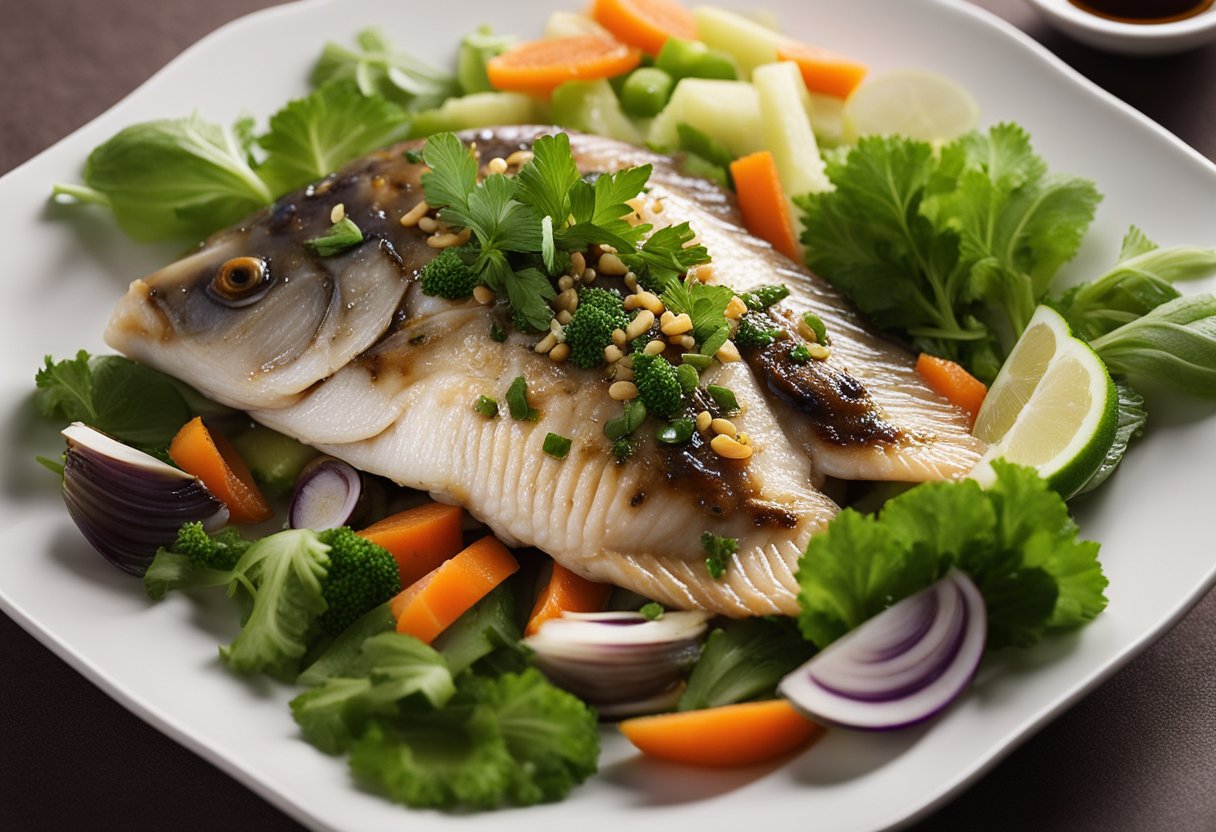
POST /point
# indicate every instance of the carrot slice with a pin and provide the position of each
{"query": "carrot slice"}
(538, 67)
(823, 70)
(566, 592)
(766, 213)
(213, 460)
(429, 606)
(952, 382)
(646, 24)
(420, 538)
(731, 735)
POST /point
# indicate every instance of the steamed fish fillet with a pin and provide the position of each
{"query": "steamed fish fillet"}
(347, 354)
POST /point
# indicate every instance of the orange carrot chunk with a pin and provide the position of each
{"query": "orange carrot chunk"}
(731, 735)
(566, 592)
(823, 70)
(538, 67)
(952, 383)
(429, 606)
(766, 213)
(213, 460)
(646, 24)
(420, 538)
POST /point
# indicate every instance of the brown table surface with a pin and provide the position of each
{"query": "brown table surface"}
(1139, 753)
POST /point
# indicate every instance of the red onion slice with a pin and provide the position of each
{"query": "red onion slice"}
(127, 503)
(861, 682)
(326, 494)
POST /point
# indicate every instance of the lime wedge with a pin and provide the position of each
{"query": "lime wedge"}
(1053, 407)
(919, 104)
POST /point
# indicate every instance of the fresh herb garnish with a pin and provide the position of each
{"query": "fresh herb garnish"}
(378, 69)
(762, 297)
(799, 354)
(556, 445)
(676, 432)
(342, 235)
(627, 422)
(1175, 343)
(517, 401)
(719, 551)
(724, 398)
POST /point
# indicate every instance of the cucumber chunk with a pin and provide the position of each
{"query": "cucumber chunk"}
(726, 111)
(592, 106)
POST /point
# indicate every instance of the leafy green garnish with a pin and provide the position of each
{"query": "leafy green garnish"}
(943, 247)
(719, 550)
(378, 69)
(1174, 343)
(313, 136)
(1015, 540)
(706, 304)
(744, 660)
(1132, 417)
(131, 402)
(724, 398)
(341, 235)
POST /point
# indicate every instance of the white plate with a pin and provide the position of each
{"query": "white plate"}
(160, 660)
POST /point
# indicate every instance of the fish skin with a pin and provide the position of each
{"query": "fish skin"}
(382, 376)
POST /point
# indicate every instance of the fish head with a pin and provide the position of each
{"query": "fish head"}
(255, 316)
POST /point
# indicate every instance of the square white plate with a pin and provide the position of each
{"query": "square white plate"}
(64, 275)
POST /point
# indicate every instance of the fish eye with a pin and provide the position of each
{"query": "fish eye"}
(240, 281)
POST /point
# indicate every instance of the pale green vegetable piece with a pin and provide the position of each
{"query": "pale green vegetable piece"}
(726, 111)
(592, 107)
(481, 109)
(750, 43)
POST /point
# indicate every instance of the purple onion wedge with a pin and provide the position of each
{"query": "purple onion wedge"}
(619, 662)
(327, 493)
(127, 503)
(902, 667)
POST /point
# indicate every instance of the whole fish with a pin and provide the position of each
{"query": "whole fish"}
(346, 353)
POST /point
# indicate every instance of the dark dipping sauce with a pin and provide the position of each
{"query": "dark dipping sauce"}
(1143, 11)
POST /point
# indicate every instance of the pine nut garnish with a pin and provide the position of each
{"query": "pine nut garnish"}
(496, 165)
(677, 325)
(655, 347)
(640, 325)
(411, 217)
(730, 448)
(337, 213)
(704, 420)
(559, 353)
(545, 344)
(483, 295)
(622, 391)
(723, 427)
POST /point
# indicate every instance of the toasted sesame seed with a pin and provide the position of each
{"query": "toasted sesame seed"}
(577, 263)
(483, 294)
(559, 353)
(611, 264)
(704, 420)
(622, 391)
(818, 351)
(519, 157)
(677, 325)
(655, 347)
(727, 353)
(496, 165)
(730, 448)
(411, 217)
(337, 213)
(640, 324)
(443, 240)
(428, 224)
(565, 282)
(723, 427)
(545, 344)
(613, 354)
(736, 308)
(618, 337)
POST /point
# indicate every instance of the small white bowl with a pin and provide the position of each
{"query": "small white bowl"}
(1129, 38)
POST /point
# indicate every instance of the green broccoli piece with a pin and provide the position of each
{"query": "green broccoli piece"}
(755, 330)
(195, 560)
(221, 550)
(587, 334)
(762, 297)
(605, 300)
(361, 576)
(658, 385)
(448, 277)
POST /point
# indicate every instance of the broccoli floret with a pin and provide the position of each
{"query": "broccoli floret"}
(448, 277)
(219, 551)
(755, 330)
(658, 385)
(762, 297)
(361, 576)
(605, 300)
(587, 334)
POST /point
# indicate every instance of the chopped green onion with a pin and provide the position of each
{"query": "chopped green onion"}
(816, 324)
(628, 422)
(622, 449)
(688, 376)
(714, 341)
(517, 401)
(486, 406)
(800, 354)
(497, 333)
(677, 432)
(556, 446)
(652, 611)
(724, 398)
(701, 362)
(341, 236)
(719, 550)
(412, 156)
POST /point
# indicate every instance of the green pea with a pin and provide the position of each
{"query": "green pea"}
(646, 91)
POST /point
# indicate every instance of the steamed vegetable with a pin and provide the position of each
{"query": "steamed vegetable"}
(762, 202)
(646, 24)
(564, 592)
(194, 560)
(210, 457)
(539, 67)
(901, 667)
(743, 660)
(326, 494)
(950, 381)
(420, 538)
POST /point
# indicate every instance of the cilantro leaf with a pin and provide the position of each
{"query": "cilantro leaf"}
(1015, 540)
(545, 182)
(452, 175)
(530, 292)
(313, 136)
(498, 219)
(666, 255)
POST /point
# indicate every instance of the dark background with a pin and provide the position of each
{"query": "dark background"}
(1139, 753)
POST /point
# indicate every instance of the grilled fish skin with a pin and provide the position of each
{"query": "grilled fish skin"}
(347, 353)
